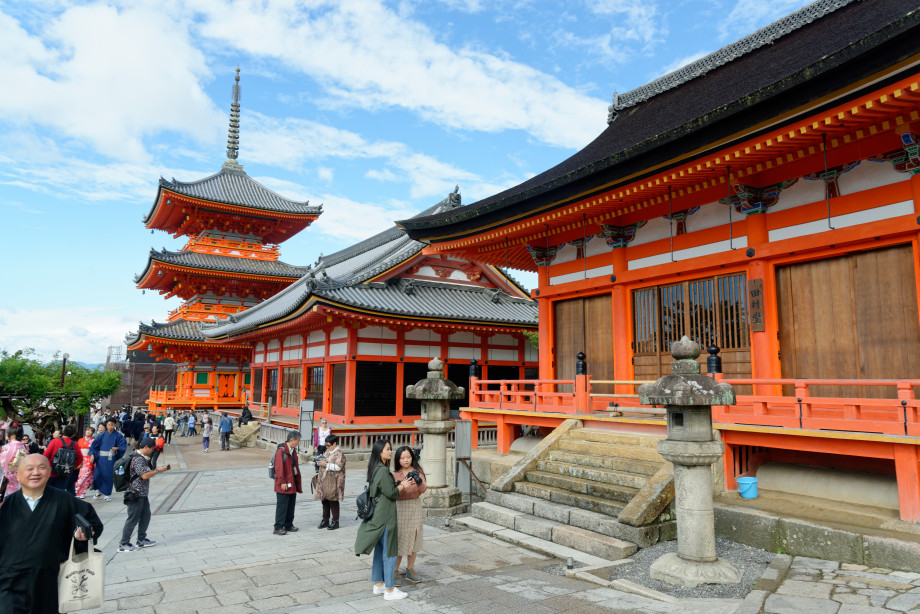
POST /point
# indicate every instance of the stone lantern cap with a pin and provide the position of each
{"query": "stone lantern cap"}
(435, 386)
(685, 385)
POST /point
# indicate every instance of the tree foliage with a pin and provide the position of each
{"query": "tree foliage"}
(31, 391)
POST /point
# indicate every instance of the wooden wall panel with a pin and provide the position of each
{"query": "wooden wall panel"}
(584, 325)
(851, 317)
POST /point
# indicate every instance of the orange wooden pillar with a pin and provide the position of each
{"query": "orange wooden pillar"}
(622, 331)
(728, 466)
(475, 423)
(351, 376)
(545, 330)
(907, 471)
(764, 344)
(505, 434)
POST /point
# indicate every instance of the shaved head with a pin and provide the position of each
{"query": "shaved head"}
(33, 473)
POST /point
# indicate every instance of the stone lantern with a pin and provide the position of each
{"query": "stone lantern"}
(435, 392)
(688, 397)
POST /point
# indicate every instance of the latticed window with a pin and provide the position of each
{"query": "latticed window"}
(709, 311)
(271, 386)
(290, 387)
(257, 386)
(315, 381)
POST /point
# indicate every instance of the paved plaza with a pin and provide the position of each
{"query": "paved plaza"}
(213, 519)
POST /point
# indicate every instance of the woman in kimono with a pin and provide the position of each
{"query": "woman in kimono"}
(409, 511)
(11, 455)
(87, 469)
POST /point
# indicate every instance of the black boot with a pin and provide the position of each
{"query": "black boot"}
(323, 524)
(333, 525)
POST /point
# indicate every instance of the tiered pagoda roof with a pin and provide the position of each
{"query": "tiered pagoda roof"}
(789, 70)
(359, 280)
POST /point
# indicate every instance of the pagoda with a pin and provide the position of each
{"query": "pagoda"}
(230, 263)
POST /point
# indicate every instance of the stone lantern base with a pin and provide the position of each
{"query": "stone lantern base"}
(672, 569)
(444, 501)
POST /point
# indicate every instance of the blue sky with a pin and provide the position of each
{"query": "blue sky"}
(375, 109)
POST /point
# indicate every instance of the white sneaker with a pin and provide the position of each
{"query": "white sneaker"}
(106, 498)
(394, 595)
(96, 496)
(379, 590)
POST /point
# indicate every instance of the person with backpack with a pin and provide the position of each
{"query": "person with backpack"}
(226, 429)
(107, 447)
(65, 458)
(379, 533)
(286, 469)
(137, 496)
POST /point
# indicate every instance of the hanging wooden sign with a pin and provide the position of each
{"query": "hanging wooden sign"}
(755, 305)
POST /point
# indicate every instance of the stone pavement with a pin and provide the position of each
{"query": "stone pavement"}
(215, 553)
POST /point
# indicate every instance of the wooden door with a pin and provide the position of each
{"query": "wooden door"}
(584, 325)
(226, 385)
(850, 317)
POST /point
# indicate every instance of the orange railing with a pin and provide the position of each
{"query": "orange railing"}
(899, 415)
(173, 397)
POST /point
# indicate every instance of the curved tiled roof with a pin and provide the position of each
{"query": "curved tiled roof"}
(235, 187)
(812, 53)
(763, 36)
(343, 278)
(227, 264)
(180, 330)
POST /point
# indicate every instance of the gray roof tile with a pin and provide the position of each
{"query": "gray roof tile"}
(229, 264)
(181, 330)
(235, 187)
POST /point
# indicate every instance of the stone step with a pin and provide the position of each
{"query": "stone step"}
(583, 540)
(594, 448)
(602, 505)
(644, 536)
(616, 437)
(582, 486)
(605, 476)
(614, 463)
(542, 546)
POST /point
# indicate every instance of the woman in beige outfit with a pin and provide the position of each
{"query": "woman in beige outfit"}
(409, 515)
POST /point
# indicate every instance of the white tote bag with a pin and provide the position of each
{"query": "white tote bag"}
(81, 580)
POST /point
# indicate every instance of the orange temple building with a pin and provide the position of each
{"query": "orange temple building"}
(364, 322)
(229, 264)
(764, 199)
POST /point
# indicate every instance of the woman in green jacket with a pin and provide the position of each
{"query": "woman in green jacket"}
(378, 534)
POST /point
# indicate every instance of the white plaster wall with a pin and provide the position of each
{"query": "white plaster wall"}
(376, 349)
(316, 336)
(656, 229)
(427, 271)
(422, 334)
(377, 332)
(590, 273)
(274, 344)
(338, 333)
(502, 340)
(496, 354)
(271, 356)
(292, 354)
(531, 354)
(338, 349)
(463, 337)
(686, 254)
(566, 254)
(423, 351)
(464, 353)
(260, 347)
(293, 340)
(315, 352)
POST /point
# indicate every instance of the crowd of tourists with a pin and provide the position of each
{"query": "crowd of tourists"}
(393, 531)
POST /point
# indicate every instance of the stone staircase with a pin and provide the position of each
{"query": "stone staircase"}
(595, 495)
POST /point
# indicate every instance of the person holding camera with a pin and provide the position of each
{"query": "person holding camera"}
(137, 497)
(409, 514)
(330, 482)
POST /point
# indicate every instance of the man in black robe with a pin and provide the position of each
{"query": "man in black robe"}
(36, 528)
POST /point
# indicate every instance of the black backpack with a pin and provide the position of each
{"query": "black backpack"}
(121, 474)
(366, 505)
(65, 459)
(271, 463)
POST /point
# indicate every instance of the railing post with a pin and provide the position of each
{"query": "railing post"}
(581, 383)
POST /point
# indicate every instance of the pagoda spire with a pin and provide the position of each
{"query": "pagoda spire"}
(233, 134)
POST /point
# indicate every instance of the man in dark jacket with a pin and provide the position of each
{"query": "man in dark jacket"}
(287, 484)
(37, 524)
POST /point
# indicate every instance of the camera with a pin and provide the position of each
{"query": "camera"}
(413, 475)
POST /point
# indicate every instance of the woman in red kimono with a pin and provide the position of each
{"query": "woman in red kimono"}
(85, 479)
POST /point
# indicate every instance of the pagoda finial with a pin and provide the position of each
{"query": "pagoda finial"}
(233, 134)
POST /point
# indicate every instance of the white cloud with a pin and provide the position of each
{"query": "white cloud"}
(48, 330)
(749, 15)
(381, 175)
(151, 80)
(631, 23)
(352, 48)
(325, 174)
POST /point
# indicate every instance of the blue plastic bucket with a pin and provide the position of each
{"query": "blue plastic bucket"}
(747, 488)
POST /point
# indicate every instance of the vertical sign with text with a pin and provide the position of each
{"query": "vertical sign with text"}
(755, 305)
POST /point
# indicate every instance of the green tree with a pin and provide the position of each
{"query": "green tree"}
(31, 392)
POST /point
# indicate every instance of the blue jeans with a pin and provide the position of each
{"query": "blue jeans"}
(384, 566)
(184, 429)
